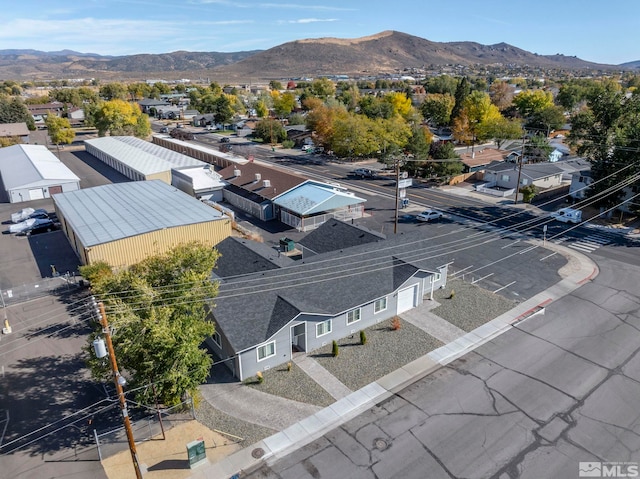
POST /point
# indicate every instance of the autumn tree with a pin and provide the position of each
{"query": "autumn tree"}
(501, 94)
(500, 129)
(283, 103)
(270, 130)
(118, 117)
(531, 102)
(59, 130)
(158, 311)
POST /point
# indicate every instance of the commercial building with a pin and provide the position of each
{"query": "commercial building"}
(31, 172)
(124, 223)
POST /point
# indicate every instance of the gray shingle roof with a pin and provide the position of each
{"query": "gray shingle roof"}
(326, 284)
(335, 234)
(241, 256)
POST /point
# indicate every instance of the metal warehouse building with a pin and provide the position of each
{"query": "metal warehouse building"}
(124, 223)
(31, 172)
(139, 159)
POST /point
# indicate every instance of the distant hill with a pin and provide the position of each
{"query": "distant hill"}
(386, 52)
(631, 65)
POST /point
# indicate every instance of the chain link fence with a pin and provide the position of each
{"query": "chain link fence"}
(58, 284)
(113, 441)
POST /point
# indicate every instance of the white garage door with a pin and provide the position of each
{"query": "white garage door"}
(407, 299)
(36, 194)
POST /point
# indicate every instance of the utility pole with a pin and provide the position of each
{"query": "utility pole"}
(524, 138)
(119, 381)
(397, 165)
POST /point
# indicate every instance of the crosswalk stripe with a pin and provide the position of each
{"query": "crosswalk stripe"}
(580, 247)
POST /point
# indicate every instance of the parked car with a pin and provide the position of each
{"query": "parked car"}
(364, 173)
(308, 148)
(567, 215)
(429, 215)
(40, 226)
(210, 128)
(23, 226)
(27, 213)
(225, 139)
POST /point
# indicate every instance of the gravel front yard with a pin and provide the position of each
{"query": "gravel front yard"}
(472, 306)
(386, 350)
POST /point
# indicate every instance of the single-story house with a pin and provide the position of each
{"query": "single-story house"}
(149, 105)
(505, 175)
(476, 161)
(17, 130)
(262, 318)
(32, 172)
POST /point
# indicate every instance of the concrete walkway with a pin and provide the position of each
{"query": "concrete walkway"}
(441, 329)
(579, 271)
(324, 378)
(251, 405)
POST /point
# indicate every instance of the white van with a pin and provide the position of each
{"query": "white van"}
(567, 215)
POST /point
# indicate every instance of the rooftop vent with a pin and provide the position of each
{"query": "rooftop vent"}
(266, 183)
(258, 176)
(236, 172)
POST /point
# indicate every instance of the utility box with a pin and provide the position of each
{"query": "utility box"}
(287, 245)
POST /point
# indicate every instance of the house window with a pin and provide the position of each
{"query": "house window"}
(353, 316)
(435, 277)
(266, 350)
(380, 305)
(524, 181)
(217, 339)
(504, 177)
(323, 328)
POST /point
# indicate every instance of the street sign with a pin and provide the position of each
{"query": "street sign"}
(405, 183)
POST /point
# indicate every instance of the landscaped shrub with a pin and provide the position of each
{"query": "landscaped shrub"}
(453, 294)
(363, 337)
(335, 349)
(259, 377)
(395, 323)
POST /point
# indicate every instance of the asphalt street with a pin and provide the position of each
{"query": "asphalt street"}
(559, 389)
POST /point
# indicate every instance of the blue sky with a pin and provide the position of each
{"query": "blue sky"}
(606, 32)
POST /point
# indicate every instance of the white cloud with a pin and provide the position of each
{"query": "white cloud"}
(310, 20)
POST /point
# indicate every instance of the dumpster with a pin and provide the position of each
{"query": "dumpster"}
(287, 244)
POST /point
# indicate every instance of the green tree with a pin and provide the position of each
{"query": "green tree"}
(322, 88)
(270, 130)
(157, 310)
(547, 119)
(462, 92)
(375, 107)
(500, 129)
(606, 132)
(437, 107)
(113, 91)
(13, 110)
(59, 130)
(275, 85)
(443, 84)
(451, 166)
(222, 109)
(261, 108)
(537, 149)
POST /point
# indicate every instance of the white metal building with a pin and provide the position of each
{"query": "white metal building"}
(32, 172)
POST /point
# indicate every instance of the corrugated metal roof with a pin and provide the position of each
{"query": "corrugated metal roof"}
(211, 151)
(121, 210)
(142, 156)
(25, 166)
(312, 198)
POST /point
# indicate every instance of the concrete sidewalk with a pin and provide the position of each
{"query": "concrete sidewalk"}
(578, 271)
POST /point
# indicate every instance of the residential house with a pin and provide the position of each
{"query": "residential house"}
(478, 160)
(15, 130)
(151, 105)
(505, 175)
(263, 318)
(580, 181)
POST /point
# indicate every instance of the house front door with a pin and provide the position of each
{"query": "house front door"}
(299, 337)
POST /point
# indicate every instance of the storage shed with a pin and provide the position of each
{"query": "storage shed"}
(31, 172)
(124, 223)
(139, 159)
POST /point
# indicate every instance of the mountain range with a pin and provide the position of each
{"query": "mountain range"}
(385, 52)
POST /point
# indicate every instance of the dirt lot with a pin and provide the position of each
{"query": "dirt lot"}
(167, 459)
